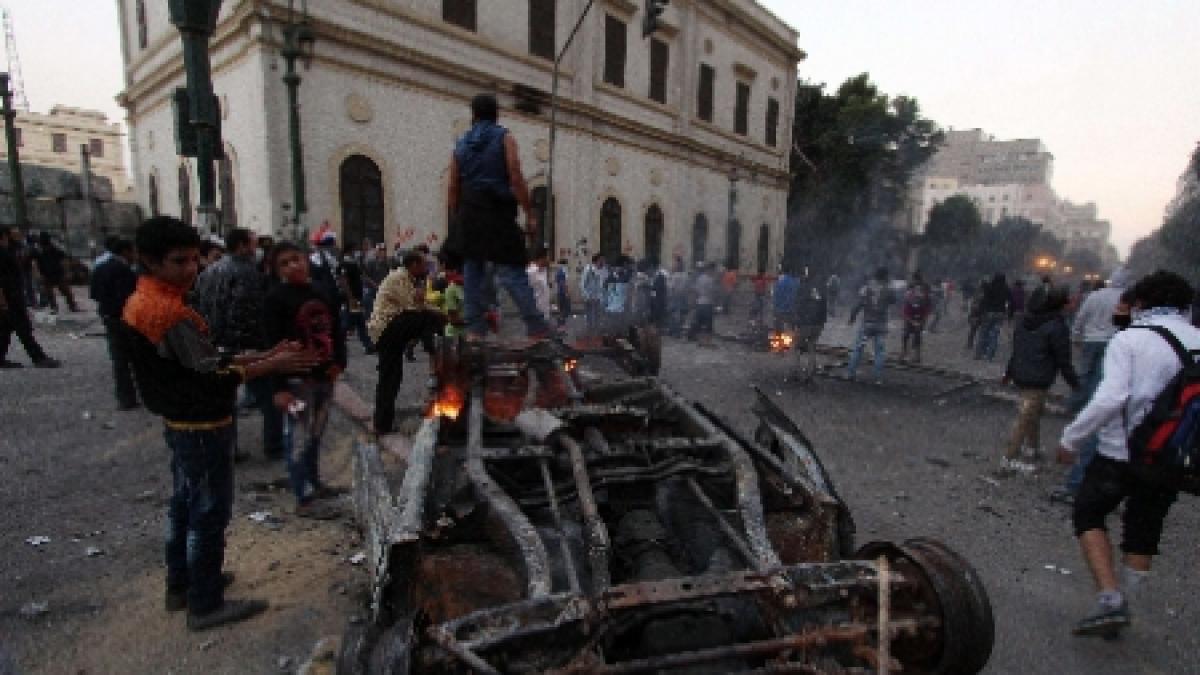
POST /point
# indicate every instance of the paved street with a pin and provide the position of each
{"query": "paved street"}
(76, 472)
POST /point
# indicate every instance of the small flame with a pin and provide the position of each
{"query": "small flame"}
(449, 404)
(780, 341)
(570, 365)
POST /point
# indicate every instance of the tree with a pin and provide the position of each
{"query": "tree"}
(955, 220)
(853, 155)
(1084, 261)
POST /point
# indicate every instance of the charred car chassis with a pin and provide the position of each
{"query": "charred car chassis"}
(550, 520)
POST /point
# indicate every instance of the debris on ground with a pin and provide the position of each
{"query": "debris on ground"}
(37, 540)
(32, 610)
(208, 644)
(93, 551)
(358, 558)
(284, 663)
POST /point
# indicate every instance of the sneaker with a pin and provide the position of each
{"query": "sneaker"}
(10, 365)
(176, 599)
(47, 363)
(1062, 496)
(1016, 466)
(1107, 622)
(1033, 455)
(230, 611)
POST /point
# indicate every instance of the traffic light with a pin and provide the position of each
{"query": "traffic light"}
(653, 10)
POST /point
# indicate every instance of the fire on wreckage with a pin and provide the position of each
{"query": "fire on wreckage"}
(553, 520)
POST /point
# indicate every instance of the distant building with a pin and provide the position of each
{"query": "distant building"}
(651, 130)
(54, 140)
(1005, 179)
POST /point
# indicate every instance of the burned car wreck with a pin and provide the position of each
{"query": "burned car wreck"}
(556, 514)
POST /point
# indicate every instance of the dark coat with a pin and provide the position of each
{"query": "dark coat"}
(1041, 350)
(113, 281)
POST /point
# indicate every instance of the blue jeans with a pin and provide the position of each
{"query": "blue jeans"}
(989, 335)
(263, 392)
(199, 512)
(302, 437)
(880, 340)
(357, 321)
(514, 279)
(1090, 365)
(1086, 454)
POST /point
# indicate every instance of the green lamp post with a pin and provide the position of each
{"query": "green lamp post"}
(14, 160)
(298, 41)
(197, 122)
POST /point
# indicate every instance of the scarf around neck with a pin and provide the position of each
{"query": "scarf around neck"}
(156, 307)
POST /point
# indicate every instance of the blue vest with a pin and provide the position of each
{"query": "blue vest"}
(480, 157)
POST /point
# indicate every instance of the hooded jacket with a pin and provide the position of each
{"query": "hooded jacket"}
(485, 225)
(1041, 350)
(1094, 323)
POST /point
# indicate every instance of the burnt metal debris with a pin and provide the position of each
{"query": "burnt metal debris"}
(557, 514)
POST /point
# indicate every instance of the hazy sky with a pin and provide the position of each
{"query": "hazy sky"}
(1109, 85)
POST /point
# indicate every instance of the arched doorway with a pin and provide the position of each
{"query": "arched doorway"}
(361, 189)
(654, 234)
(539, 197)
(700, 239)
(764, 248)
(610, 229)
(733, 246)
(185, 194)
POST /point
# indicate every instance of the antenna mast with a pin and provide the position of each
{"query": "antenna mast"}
(14, 62)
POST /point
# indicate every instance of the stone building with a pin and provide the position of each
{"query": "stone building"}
(54, 140)
(654, 133)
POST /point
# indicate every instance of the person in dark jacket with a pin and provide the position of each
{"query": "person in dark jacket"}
(1041, 350)
(486, 186)
(51, 264)
(14, 312)
(993, 307)
(297, 310)
(113, 281)
(229, 294)
(811, 313)
(185, 380)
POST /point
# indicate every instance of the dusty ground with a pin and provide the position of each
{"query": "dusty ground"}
(909, 464)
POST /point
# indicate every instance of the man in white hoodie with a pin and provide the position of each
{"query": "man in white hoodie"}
(1138, 365)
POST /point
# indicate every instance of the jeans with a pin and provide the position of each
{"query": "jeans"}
(63, 287)
(263, 391)
(880, 344)
(302, 436)
(198, 513)
(1090, 364)
(357, 321)
(515, 280)
(122, 369)
(1086, 454)
(989, 335)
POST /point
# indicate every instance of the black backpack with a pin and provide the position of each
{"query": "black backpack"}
(1164, 449)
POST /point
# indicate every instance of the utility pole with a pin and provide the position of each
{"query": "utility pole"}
(17, 185)
(197, 122)
(298, 43)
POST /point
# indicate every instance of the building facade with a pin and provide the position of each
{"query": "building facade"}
(657, 137)
(55, 140)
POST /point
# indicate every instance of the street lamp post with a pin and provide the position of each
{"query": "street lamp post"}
(20, 215)
(298, 42)
(732, 257)
(198, 116)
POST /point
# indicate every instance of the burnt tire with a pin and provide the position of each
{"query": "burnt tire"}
(948, 587)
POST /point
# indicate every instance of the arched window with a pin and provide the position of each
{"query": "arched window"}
(142, 32)
(700, 239)
(152, 194)
(229, 216)
(185, 194)
(764, 248)
(540, 200)
(654, 234)
(733, 245)
(361, 189)
(610, 229)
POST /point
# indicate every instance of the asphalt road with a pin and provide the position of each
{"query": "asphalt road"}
(908, 464)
